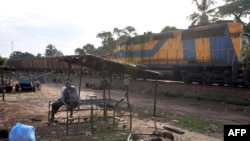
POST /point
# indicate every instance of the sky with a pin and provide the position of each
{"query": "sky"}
(31, 25)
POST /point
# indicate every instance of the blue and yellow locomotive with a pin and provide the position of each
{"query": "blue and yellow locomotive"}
(204, 54)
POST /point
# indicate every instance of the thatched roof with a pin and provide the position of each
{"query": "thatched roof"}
(102, 64)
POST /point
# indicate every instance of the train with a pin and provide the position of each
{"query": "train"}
(209, 54)
(44, 64)
(88, 64)
(55, 64)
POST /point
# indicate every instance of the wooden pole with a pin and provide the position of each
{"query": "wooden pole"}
(155, 96)
(104, 97)
(2, 83)
(126, 83)
(127, 89)
(80, 83)
(110, 82)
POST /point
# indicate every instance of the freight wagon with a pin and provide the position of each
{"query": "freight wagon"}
(44, 64)
(204, 54)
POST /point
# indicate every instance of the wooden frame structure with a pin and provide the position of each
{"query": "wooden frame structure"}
(116, 115)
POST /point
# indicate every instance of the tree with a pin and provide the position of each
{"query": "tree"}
(79, 51)
(246, 53)
(88, 48)
(39, 55)
(204, 12)
(52, 51)
(237, 8)
(247, 29)
(108, 42)
(59, 53)
(20, 55)
(118, 32)
(2, 61)
(129, 31)
(126, 32)
(106, 37)
(168, 28)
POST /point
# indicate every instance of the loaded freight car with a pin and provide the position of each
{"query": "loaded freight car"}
(46, 64)
(205, 54)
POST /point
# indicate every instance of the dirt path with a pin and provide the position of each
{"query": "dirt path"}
(26, 107)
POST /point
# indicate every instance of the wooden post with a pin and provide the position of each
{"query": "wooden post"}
(91, 119)
(127, 89)
(155, 96)
(67, 122)
(80, 83)
(2, 83)
(110, 82)
(126, 83)
(104, 86)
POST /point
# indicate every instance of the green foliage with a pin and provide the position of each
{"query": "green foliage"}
(173, 94)
(215, 98)
(39, 55)
(247, 29)
(168, 28)
(128, 31)
(52, 51)
(194, 123)
(2, 61)
(88, 48)
(106, 37)
(20, 55)
(236, 8)
(246, 53)
(108, 40)
(204, 11)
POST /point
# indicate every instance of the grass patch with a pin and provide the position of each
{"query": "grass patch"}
(194, 123)
(12, 74)
(50, 78)
(215, 98)
(117, 86)
(242, 102)
(173, 94)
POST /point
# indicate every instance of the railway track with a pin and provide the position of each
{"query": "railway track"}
(164, 86)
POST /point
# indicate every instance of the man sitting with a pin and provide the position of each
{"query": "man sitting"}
(69, 97)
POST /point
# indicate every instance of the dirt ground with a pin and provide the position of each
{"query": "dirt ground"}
(32, 108)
